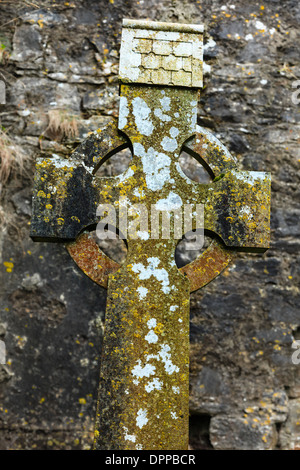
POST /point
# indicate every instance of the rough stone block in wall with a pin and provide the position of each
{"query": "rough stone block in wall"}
(173, 57)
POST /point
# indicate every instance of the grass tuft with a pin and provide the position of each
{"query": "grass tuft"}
(62, 124)
(12, 157)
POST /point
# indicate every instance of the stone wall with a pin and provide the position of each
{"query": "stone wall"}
(60, 67)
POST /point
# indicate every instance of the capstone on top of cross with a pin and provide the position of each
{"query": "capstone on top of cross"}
(156, 53)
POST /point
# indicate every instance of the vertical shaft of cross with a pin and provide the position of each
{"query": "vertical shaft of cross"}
(144, 380)
(144, 386)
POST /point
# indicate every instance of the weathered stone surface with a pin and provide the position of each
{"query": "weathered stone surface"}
(2, 329)
(290, 432)
(43, 93)
(48, 349)
(234, 432)
(27, 44)
(104, 100)
(22, 201)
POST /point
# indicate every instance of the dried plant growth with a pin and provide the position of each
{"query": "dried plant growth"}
(11, 156)
(62, 124)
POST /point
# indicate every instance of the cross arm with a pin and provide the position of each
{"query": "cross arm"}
(237, 208)
(65, 197)
(211, 153)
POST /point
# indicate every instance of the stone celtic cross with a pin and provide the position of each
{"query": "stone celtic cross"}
(144, 379)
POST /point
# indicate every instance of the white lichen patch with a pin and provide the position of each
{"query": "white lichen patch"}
(156, 166)
(145, 272)
(174, 132)
(173, 308)
(123, 112)
(151, 323)
(154, 384)
(142, 112)
(174, 415)
(142, 291)
(162, 116)
(250, 177)
(137, 192)
(246, 211)
(60, 162)
(165, 103)
(141, 419)
(193, 114)
(172, 202)
(140, 372)
(124, 176)
(165, 355)
(142, 235)
(151, 337)
(169, 144)
(176, 390)
(129, 437)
